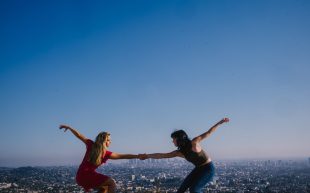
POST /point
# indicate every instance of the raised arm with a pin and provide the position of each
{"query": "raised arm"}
(211, 130)
(172, 154)
(75, 132)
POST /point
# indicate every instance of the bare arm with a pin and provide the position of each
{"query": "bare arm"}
(211, 130)
(165, 155)
(123, 156)
(75, 132)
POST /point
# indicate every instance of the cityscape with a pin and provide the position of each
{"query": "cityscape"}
(164, 176)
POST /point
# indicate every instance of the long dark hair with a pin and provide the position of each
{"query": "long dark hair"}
(183, 142)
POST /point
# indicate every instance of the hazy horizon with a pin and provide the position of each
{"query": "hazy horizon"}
(142, 69)
(120, 162)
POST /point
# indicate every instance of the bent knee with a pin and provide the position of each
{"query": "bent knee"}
(110, 182)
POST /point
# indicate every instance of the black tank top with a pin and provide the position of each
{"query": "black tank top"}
(196, 158)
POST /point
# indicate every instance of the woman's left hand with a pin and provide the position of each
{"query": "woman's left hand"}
(65, 127)
(224, 120)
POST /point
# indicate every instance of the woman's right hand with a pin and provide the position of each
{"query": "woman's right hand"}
(65, 127)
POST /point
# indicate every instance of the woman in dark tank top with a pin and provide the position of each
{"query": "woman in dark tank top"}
(192, 152)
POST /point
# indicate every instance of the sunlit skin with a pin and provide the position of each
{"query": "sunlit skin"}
(196, 147)
(108, 186)
(174, 141)
(108, 141)
(194, 180)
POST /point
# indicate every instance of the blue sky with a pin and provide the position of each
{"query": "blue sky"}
(140, 69)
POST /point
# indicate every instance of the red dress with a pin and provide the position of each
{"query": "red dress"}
(86, 176)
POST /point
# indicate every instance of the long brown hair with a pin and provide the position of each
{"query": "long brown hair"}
(98, 148)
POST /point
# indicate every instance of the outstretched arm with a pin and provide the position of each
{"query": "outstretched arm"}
(125, 156)
(211, 130)
(75, 132)
(165, 155)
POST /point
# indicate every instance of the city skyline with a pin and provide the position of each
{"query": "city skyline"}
(161, 176)
(140, 70)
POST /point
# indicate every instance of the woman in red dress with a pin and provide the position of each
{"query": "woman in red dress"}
(97, 154)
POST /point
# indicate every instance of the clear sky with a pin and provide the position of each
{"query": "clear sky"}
(140, 69)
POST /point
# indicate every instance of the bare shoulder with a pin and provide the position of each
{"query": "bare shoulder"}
(86, 141)
(196, 139)
(196, 146)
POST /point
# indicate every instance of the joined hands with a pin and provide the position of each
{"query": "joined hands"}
(143, 156)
